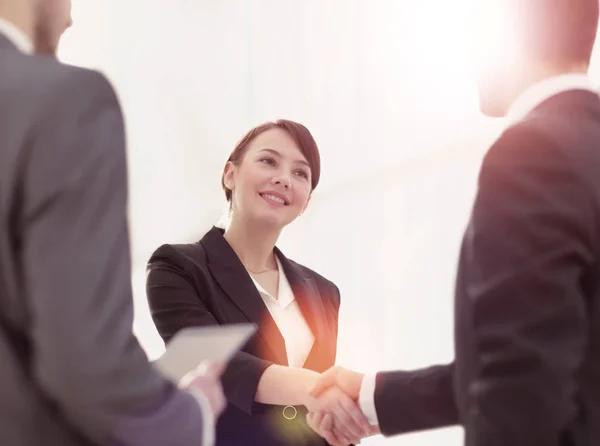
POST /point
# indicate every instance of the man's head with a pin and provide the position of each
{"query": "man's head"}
(521, 41)
(51, 18)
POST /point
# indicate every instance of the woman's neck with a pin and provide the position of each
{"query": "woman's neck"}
(253, 244)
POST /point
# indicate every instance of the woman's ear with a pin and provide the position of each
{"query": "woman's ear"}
(229, 175)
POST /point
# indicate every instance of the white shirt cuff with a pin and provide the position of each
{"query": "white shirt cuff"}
(208, 417)
(366, 399)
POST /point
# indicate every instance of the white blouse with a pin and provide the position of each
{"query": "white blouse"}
(289, 319)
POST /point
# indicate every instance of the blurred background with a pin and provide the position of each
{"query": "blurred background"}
(385, 88)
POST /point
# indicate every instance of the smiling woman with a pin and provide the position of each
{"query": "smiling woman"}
(238, 275)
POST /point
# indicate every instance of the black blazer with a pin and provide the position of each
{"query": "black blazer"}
(205, 283)
(527, 319)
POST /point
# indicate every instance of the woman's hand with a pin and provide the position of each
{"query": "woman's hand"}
(322, 424)
(348, 422)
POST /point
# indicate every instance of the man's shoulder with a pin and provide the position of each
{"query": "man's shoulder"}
(549, 147)
(41, 79)
(44, 101)
(569, 121)
(560, 136)
(543, 137)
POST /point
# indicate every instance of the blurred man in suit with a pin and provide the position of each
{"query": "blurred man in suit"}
(71, 370)
(527, 314)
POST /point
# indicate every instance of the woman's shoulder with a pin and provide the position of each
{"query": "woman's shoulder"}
(180, 254)
(322, 281)
(191, 254)
(327, 289)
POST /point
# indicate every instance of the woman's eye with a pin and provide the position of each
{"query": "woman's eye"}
(302, 173)
(268, 160)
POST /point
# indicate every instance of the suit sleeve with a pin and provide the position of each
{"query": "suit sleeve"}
(528, 249)
(175, 303)
(76, 273)
(410, 401)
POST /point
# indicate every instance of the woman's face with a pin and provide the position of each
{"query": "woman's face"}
(272, 183)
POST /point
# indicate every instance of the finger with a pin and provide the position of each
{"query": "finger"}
(188, 379)
(374, 430)
(314, 420)
(222, 401)
(357, 415)
(326, 422)
(325, 381)
(341, 437)
(344, 424)
(326, 431)
(331, 434)
(319, 423)
(331, 400)
(343, 421)
(198, 378)
(211, 368)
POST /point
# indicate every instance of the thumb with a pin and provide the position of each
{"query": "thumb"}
(210, 369)
(324, 382)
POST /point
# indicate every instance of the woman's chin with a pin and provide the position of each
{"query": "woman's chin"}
(272, 220)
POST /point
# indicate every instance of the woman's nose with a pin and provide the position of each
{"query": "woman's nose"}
(284, 180)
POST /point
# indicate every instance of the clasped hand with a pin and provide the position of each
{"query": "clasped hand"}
(333, 408)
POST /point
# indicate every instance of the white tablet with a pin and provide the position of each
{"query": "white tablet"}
(194, 345)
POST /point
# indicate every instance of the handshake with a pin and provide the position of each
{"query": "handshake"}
(334, 411)
(332, 402)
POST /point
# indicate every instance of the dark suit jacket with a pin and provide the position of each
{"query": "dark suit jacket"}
(206, 284)
(71, 370)
(527, 323)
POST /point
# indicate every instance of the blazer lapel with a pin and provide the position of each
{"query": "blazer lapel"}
(232, 277)
(308, 297)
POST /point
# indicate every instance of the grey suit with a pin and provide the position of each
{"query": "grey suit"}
(71, 371)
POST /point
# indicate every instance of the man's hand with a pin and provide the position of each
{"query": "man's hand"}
(323, 424)
(347, 380)
(349, 423)
(206, 379)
